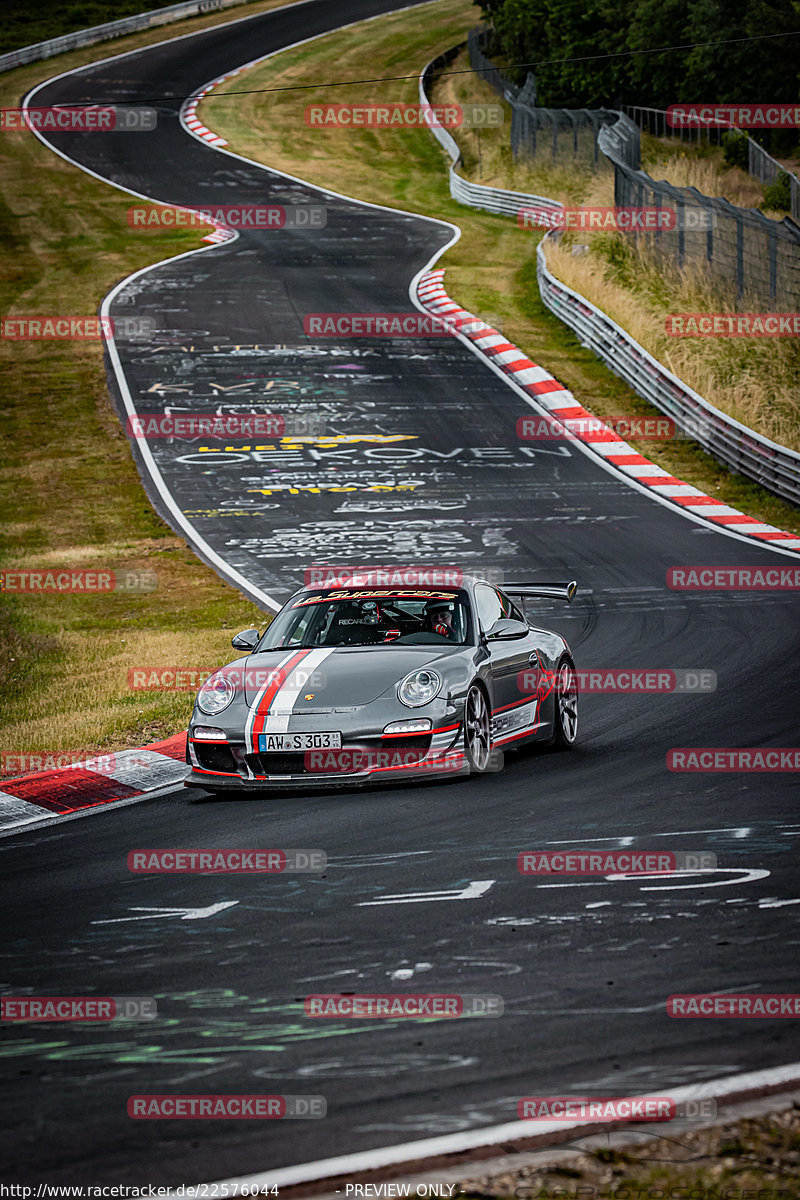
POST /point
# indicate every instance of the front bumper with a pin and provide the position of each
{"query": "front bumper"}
(366, 756)
(451, 767)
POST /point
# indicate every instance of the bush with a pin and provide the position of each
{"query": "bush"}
(778, 195)
(734, 149)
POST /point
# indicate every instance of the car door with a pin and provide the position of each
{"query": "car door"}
(513, 710)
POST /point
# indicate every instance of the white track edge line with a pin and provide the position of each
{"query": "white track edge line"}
(457, 1143)
(609, 468)
(404, 212)
(228, 572)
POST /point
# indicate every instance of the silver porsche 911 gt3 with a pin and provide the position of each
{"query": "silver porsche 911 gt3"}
(353, 684)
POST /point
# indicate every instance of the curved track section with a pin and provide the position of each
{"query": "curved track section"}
(584, 967)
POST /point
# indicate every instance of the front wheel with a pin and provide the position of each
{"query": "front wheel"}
(565, 697)
(477, 731)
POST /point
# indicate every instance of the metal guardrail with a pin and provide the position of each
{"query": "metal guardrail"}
(774, 466)
(111, 29)
(475, 195)
(497, 200)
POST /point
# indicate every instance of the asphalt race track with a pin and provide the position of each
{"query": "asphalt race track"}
(584, 967)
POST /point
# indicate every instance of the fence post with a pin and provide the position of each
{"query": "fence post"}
(709, 208)
(773, 266)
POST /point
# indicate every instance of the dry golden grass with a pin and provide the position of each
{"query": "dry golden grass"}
(750, 1157)
(710, 175)
(754, 380)
(491, 269)
(704, 167)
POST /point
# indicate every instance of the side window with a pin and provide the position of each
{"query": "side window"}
(300, 630)
(510, 609)
(489, 605)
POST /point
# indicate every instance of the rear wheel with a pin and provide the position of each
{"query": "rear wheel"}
(477, 731)
(565, 696)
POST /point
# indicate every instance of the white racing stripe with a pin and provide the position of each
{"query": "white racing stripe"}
(299, 680)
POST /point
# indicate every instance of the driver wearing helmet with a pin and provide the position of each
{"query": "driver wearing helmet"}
(439, 614)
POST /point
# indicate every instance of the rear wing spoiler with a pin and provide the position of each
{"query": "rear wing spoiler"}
(556, 591)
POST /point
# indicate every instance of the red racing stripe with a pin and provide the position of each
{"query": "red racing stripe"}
(271, 692)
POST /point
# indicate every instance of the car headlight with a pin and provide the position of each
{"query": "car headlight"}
(419, 688)
(215, 694)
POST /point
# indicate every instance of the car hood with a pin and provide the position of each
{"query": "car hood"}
(340, 677)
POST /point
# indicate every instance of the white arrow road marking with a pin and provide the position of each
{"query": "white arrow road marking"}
(474, 889)
(776, 903)
(185, 914)
(743, 875)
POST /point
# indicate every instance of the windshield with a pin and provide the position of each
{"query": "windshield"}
(376, 617)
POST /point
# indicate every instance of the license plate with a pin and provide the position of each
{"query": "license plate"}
(272, 742)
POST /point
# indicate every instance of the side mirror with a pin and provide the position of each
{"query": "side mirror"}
(247, 640)
(506, 629)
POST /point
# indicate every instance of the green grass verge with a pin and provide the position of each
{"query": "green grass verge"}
(70, 494)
